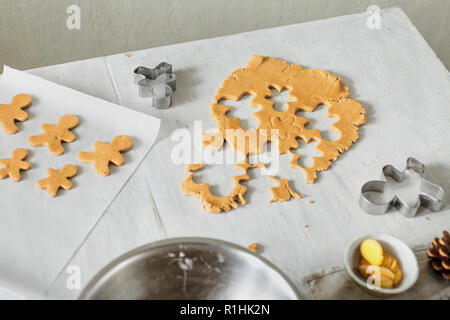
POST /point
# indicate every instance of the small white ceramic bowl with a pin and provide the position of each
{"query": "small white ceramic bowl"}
(398, 249)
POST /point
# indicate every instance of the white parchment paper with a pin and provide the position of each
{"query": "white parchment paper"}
(38, 234)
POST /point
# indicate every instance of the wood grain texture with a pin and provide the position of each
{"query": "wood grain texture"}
(393, 72)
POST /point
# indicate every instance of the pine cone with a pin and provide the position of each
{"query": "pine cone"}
(440, 255)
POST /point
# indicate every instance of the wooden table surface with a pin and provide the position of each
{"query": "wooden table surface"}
(392, 71)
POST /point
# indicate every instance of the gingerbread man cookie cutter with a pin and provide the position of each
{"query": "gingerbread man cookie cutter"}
(431, 195)
(159, 92)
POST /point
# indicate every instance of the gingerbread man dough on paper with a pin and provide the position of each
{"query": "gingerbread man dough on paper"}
(9, 113)
(58, 179)
(12, 167)
(107, 152)
(54, 136)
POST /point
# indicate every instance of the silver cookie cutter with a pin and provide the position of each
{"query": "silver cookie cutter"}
(431, 195)
(158, 84)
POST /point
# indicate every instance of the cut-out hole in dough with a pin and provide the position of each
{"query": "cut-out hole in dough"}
(318, 120)
(243, 110)
(306, 151)
(280, 99)
(219, 177)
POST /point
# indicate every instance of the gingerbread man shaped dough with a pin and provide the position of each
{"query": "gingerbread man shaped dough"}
(12, 167)
(58, 179)
(54, 136)
(9, 113)
(107, 152)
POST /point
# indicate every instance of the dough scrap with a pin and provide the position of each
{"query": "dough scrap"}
(245, 166)
(283, 192)
(212, 203)
(308, 90)
(193, 167)
(107, 152)
(9, 113)
(253, 247)
(54, 136)
(12, 167)
(58, 179)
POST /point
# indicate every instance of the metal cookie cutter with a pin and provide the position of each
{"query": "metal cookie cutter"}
(158, 84)
(431, 195)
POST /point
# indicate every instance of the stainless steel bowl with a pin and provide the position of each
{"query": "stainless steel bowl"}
(190, 268)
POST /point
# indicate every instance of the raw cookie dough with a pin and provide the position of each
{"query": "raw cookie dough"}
(212, 203)
(193, 167)
(253, 247)
(12, 167)
(213, 141)
(107, 152)
(53, 136)
(9, 113)
(308, 90)
(283, 192)
(351, 115)
(58, 179)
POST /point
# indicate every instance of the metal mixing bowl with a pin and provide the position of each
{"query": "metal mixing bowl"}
(190, 268)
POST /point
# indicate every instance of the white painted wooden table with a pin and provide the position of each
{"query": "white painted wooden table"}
(392, 71)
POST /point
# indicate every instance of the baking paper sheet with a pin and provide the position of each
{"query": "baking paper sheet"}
(38, 234)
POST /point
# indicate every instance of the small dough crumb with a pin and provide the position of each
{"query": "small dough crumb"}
(193, 167)
(253, 247)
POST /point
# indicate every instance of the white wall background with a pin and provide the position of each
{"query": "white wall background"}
(33, 33)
